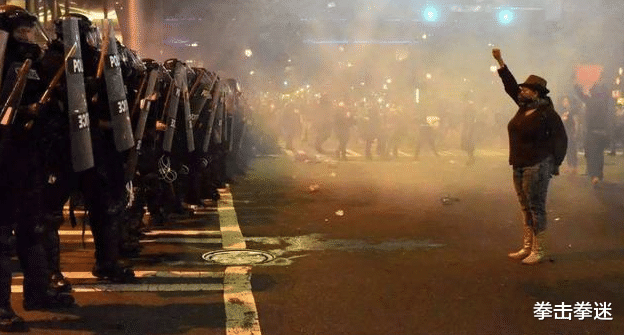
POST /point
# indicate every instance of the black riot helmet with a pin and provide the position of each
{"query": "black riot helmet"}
(87, 31)
(170, 64)
(150, 63)
(24, 33)
(12, 17)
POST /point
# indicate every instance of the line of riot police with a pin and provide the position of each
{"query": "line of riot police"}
(84, 120)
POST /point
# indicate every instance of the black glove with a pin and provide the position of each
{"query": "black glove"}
(555, 170)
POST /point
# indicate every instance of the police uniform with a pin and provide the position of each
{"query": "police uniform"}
(21, 184)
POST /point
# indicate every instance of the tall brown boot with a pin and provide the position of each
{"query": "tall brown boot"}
(527, 242)
(538, 251)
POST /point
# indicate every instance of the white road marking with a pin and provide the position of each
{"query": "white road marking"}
(240, 306)
(91, 288)
(183, 232)
(172, 240)
(145, 274)
(179, 240)
(152, 233)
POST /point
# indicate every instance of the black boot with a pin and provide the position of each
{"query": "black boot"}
(50, 300)
(52, 244)
(59, 283)
(214, 195)
(11, 322)
(115, 273)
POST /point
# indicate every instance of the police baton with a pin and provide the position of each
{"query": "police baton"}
(57, 77)
(13, 101)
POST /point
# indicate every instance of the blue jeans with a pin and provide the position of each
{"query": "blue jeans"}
(531, 184)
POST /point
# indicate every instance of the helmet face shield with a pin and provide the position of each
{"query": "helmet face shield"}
(94, 37)
(40, 36)
(19, 23)
(24, 34)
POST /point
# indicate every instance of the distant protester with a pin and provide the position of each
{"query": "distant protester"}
(569, 111)
(598, 107)
(537, 147)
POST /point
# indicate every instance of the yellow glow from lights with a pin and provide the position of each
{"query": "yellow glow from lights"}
(94, 15)
(433, 121)
(401, 55)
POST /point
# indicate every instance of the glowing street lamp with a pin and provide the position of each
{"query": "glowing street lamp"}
(431, 14)
(505, 16)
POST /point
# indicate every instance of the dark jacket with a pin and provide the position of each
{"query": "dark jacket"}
(598, 107)
(533, 137)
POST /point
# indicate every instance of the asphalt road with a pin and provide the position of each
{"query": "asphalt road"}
(370, 248)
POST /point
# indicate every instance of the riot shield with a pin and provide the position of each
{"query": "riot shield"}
(214, 125)
(80, 135)
(145, 105)
(117, 102)
(231, 127)
(171, 110)
(200, 92)
(223, 121)
(188, 122)
(4, 37)
(134, 111)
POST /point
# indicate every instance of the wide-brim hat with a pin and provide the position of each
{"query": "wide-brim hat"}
(536, 83)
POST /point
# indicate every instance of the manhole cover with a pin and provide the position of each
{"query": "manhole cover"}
(238, 257)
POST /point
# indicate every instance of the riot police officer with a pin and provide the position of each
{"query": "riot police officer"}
(21, 180)
(103, 186)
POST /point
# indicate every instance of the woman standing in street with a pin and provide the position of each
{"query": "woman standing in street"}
(537, 146)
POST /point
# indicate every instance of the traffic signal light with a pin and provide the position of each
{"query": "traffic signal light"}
(431, 14)
(505, 16)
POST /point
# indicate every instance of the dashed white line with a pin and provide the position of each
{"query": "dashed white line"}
(240, 306)
(64, 232)
(145, 274)
(99, 287)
